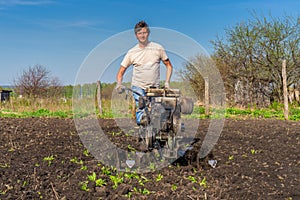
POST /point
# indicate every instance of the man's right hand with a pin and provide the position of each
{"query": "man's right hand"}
(120, 88)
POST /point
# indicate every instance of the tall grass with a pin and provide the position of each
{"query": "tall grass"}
(30, 107)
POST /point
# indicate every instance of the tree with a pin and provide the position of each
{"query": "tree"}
(195, 71)
(250, 58)
(37, 82)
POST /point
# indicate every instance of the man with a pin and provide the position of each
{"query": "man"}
(145, 58)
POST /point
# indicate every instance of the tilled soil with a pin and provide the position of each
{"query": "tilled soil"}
(44, 158)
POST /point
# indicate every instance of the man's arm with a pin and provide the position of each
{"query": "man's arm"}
(120, 75)
(169, 67)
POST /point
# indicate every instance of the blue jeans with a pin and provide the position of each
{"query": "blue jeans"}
(139, 112)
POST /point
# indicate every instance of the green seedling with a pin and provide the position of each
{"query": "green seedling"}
(152, 166)
(4, 166)
(159, 177)
(116, 180)
(203, 182)
(49, 159)
(74, 160)
(100, 182)
(143, 180)
(86, 153)
(84, 186)
(115, 134)
(194, 170)
(253, 151)
(24, 183)
(128, 195)
(143, 191)
(192, 179)
(92, 177)
(173, 187)
(130, 148)
(105, 171)
(113, 169)
(230, 157)
(131, 132)
(131, 175)
(40, 194)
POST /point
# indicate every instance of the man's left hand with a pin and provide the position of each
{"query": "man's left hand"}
(167, 85)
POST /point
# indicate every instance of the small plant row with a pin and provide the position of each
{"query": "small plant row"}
(109, 177)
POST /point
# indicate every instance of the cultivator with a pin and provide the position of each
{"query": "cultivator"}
(162, 128)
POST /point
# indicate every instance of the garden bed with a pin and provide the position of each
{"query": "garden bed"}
(45, 158)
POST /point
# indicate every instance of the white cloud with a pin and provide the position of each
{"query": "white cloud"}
(24, 2)
(81, 23)
(55, 23)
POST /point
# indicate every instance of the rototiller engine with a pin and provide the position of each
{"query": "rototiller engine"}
(162, 128)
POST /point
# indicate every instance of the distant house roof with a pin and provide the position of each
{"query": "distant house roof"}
(2, 90)
(5, 94)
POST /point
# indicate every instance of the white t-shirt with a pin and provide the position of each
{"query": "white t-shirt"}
(146, 64)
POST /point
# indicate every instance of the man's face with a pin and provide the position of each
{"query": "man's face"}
(142, 35)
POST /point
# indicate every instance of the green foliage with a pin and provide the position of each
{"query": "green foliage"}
(38, 113)
(26, 107)
(199, 110)
(249, 57)
(273, 111)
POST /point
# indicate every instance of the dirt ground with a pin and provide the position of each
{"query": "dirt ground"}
(44, 158)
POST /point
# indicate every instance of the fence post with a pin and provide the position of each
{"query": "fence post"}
(285, 92)
(99, 99)
(206, 95)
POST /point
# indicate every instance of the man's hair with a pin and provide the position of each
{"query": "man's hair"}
(140, 25)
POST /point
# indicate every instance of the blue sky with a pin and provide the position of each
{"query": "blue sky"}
(60, 34)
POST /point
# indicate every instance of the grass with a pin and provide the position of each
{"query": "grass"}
(38, 113)
(62, 108)
(270, 112)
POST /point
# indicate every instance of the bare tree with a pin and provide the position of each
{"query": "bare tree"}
(36, 82)
(251, 55)
(198, 69)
